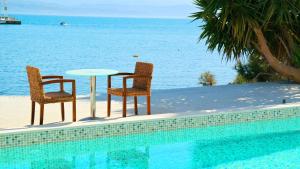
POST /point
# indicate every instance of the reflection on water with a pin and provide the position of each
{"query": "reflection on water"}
(269, 144)
(134, 158)
(227, 151)
(196, 154)
(53, 164)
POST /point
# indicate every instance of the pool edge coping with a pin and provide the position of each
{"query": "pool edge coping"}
(38, 136)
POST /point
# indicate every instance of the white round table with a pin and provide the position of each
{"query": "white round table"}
(92, 73)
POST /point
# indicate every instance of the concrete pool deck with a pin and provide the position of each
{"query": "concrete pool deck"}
(15, 110)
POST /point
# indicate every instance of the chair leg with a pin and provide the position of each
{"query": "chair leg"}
(32, 112)
(148, 105)
(124, 106)
(135, 105)
(74, 109)
(108, 104)
(41, 113)
(62, 107)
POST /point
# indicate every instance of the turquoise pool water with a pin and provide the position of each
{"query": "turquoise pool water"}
(266, 144)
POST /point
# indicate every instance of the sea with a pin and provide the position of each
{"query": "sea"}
(172, 45)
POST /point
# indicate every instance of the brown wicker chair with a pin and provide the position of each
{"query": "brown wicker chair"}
(37, 94)
(141, 87)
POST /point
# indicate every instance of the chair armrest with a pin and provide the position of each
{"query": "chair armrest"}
(58, 81)
(61, 81)
(52, 77)
(120, 74)
(117, 74)
(137, 76)
(132, 77)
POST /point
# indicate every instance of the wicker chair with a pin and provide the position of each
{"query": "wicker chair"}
(37, 82)
(141, 87)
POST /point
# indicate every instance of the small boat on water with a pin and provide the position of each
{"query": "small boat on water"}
(9, 20)
(63, 24)
(4, 18)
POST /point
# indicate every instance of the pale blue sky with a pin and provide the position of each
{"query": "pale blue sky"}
(111, 8)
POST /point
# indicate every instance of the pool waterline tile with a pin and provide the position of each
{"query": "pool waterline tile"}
(25, 138)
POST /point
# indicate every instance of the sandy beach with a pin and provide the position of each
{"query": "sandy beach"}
(15, 110)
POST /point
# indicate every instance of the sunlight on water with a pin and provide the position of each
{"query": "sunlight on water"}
(171, 44)
(266, 144)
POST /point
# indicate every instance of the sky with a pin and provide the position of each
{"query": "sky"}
(106, 8)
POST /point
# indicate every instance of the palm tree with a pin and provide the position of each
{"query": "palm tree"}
(238, 28)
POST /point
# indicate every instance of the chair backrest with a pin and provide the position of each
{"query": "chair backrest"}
(145, 69)
(35, 83)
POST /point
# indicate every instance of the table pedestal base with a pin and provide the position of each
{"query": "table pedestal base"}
(93, 96)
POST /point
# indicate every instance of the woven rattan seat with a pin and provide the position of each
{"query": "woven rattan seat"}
(37, 94)
(142, 77)
(129, 92)
(58, 96)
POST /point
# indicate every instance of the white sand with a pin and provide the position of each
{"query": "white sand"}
(15, 110)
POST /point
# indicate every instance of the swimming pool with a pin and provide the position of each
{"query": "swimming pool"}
(260, 144)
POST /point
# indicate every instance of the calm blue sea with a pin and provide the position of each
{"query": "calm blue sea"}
(90, 42)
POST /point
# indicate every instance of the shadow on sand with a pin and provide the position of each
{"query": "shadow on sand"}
(214, 99)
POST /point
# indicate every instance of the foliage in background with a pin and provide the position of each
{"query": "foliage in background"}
(269, 28)
(255, 70)
(207, 79)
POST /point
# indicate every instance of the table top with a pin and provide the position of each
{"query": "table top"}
(92, 72)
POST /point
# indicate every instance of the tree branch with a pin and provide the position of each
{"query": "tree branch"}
(288, 71)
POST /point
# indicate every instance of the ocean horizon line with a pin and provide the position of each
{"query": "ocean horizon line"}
(102, 16)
